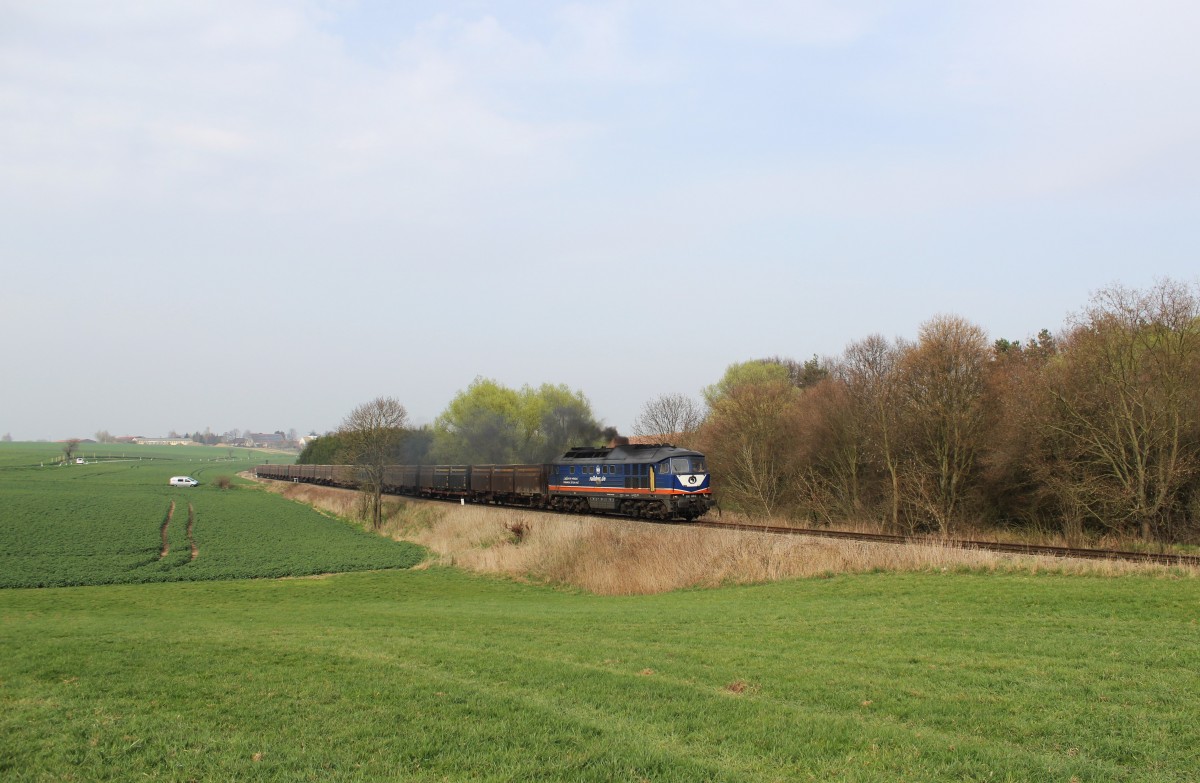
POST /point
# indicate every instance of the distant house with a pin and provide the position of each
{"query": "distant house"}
(269, 440)
(164, 441)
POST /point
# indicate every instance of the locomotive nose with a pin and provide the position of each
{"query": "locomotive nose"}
(693, 482)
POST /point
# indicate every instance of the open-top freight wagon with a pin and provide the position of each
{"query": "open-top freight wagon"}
(647, 481)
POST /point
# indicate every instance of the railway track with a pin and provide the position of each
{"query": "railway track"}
(1161, 558)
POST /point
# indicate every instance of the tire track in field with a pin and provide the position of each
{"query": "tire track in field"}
(166, 547)
(190, 525)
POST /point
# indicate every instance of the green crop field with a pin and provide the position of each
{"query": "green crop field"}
(433, 675)
(203, 458)
(103, 522)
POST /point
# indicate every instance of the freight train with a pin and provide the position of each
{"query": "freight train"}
(645, 481)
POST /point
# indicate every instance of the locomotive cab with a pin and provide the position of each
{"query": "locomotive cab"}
(687, 473)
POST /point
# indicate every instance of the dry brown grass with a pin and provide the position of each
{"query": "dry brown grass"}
(623, 557)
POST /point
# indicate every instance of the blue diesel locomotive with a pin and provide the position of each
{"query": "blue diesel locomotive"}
(645, 481)
(653, 482)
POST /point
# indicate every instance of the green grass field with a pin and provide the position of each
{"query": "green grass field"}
(101, 522)
(435, 674)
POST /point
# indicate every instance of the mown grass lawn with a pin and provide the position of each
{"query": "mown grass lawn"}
(438, 675)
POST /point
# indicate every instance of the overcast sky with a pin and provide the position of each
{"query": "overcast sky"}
(260, 213)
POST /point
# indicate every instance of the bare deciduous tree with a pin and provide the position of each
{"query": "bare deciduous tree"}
(1011, 474)
(869, 371)
(1127, 405)
(69, 448)
(372, 433)
(669, 415)
(832, 452)
(941, 395)
(750, 438)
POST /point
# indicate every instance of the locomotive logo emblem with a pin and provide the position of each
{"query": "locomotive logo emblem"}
(692, 479)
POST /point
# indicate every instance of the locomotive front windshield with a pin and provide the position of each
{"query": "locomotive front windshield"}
(682, 466)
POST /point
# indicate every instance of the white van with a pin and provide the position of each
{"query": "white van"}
(183, 481)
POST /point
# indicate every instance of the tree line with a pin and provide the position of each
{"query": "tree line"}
(488, 423)
(1091, 431)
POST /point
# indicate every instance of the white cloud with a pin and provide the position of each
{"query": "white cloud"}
(794, 22)
(245, 104)
(148, 100)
